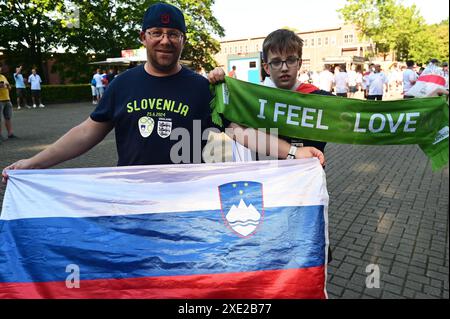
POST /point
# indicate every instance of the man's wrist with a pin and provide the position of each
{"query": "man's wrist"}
(292, 154)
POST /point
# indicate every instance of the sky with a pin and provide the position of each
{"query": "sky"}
(253, 18)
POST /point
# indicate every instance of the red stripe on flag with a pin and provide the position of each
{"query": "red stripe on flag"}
(432, 78)
(269, 284)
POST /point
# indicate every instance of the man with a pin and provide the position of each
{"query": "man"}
(365, 77)
(99, 87)
(35, 81)
(146, 103)
(377, 83)
(232, 73)
(5, 106)
(111, 75)
(352, 81)
(341, 81)
(20, 88)
(326, 79)
(409, 79)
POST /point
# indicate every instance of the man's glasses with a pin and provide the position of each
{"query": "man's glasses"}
(157, 35)
(278, 64)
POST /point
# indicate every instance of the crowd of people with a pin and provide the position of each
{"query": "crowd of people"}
(100, 81)
(373, 82)
(6, 107)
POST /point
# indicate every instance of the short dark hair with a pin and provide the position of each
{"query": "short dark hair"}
(282, 40)
(409, 63)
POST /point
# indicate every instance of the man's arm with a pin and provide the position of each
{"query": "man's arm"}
(77, 141)
(269, 145)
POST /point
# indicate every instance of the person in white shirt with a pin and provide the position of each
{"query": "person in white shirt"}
(304, 77)
(365, 77)
(377, 84)
(315, 78)
(409, 79)
(326, 79)
(341, 81)
(352, 81)
(35, 80)
(99, 87)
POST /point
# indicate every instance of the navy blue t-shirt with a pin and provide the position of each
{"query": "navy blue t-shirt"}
(146, 110)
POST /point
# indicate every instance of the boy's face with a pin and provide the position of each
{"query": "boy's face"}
(284, 76)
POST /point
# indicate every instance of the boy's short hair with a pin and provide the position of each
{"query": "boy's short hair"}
(282, 40)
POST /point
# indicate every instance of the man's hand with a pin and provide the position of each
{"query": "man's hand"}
(309, 151)
(21, 164)
(216, 75)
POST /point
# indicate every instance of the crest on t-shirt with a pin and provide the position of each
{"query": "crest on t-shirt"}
(164, 128)
(146, 125)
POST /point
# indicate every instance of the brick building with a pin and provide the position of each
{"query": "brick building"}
(340, 45)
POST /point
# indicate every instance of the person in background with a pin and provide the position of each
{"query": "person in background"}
(366, 75)
(304, 77)
(352, 78)
(445, 70)
(377, 83)
(232, 73)
(341, 81)
(94, 91)
(110, 76)
(35, 80)
(409, 78)
(5, 106)
(99, 88)
(20, 89)
(326, 79)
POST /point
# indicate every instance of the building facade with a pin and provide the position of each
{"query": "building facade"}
(340, 45)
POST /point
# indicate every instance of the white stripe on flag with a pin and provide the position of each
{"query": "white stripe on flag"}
(91, 192)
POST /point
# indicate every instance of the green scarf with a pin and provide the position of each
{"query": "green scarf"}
(422, 121)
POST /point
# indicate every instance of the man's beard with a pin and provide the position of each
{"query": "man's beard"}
(152, 57)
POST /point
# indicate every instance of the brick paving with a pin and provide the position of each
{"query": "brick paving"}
(387, 207)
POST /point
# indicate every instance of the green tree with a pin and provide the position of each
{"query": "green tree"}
(32, 29)
(431, 42)
(392, 26)
(29, 29)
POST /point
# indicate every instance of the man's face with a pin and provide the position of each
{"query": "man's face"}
(33, 71)
(283, 74)
(164, 47)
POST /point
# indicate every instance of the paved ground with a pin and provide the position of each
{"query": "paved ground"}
(387, 207)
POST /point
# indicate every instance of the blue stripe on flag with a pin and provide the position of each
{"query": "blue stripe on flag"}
(188, 243)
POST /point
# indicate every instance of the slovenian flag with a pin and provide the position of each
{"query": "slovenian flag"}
(227, 230)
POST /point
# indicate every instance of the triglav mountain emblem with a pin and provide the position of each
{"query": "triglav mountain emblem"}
(242, 206)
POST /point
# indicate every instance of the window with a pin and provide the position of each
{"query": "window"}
(252, 64)
(319, 42)
(312, 42)
(326, 41)
(305, 42)
(348, 38)
(225, 50)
